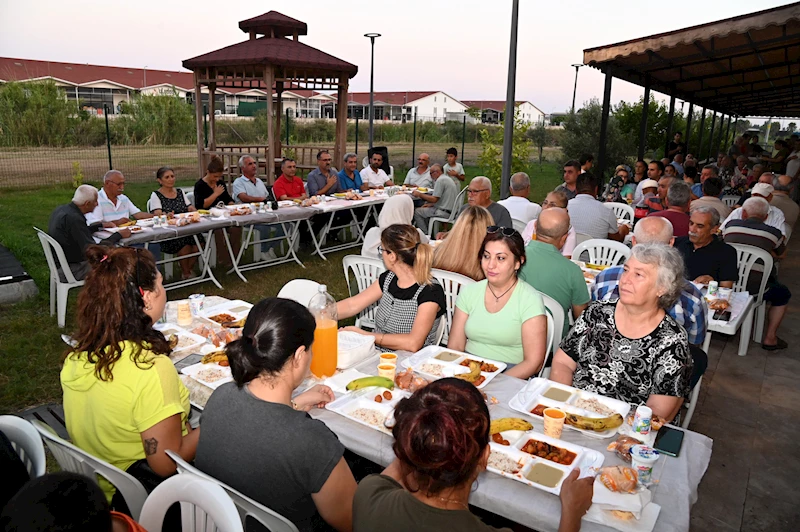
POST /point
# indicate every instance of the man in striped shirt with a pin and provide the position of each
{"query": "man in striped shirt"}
(752, 230)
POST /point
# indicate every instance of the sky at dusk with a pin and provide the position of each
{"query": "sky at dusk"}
(457, 46)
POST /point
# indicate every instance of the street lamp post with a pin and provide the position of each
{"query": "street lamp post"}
(372, 37)
(575, 88)
(508, 119)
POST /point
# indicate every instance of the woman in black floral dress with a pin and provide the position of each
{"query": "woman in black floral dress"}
(631, 349)
(168, 199)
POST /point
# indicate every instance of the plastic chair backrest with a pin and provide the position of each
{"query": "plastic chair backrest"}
(366, 271)
(458, 203)
(747, 257)
(602, 252)
(621, 210)
(26, 442)
(452, 283)
(730, 200)
(300, 290)
(149, 204)
(244, 504)
(580, 238)
(50, 244)
(205, 507)
(76, 460)
(519, 225)
(555, 327)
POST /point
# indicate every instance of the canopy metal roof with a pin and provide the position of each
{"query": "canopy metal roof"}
(745, 66)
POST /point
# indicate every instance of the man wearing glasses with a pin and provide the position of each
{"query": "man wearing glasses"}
(440, 202)
(112, 205)
(479, 192)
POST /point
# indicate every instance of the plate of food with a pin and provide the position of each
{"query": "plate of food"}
(436, 362)
(180, 339)
(590, 413)
(212, 374)
(535, 459)
(372, 407)
(229, 314)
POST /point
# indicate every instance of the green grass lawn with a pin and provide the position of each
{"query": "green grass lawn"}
(30, 343)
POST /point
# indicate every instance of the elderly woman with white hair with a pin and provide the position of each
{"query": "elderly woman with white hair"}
(631, 349)
(399, 209)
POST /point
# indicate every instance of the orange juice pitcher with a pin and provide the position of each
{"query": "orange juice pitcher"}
(325, 348)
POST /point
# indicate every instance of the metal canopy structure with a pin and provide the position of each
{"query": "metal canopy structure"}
(272, 59)
(742, 66)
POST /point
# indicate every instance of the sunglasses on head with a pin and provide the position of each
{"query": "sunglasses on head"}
(507, 231)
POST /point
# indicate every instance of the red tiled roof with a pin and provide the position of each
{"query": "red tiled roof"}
(280, 23)
(12, 69)
(494, 105)
(391, 98)
(279, 51)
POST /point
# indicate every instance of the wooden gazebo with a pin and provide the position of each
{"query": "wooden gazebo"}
(273, 59)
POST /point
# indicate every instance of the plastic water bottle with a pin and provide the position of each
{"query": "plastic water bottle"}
(325, 349)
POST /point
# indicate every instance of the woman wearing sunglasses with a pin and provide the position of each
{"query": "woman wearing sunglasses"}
(410, 301)
(123, 400)
(502, 318)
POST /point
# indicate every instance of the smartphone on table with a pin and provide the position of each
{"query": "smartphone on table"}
(669, 441)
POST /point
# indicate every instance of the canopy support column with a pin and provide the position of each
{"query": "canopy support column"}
(719, 134)
(643, 125)
(711, 136)
(212, 123)
(670, 119)
(269, 76)
(340, 146)
(688, 132)
(726, 138)
(198, 113)
(702, 134)
(278, 115)
(601, 155)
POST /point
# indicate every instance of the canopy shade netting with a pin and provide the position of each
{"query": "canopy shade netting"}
(744, 66)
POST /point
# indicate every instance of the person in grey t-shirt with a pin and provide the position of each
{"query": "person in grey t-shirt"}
(438, 203)
(479, 192)
(260, 441)
(323, 179)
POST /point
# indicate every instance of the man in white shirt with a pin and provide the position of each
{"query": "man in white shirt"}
(775, 218)
(112, 205)
(420, 176)
(452, 167)
(518, 204)
(373, 175)
(591, 217)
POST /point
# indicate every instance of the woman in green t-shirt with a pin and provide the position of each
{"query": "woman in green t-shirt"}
(501, 318)
(123, 400)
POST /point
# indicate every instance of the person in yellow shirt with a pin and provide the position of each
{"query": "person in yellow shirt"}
(123, 400)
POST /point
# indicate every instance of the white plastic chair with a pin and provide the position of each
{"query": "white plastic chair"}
(59, 291)
(26, 442)
(519, 225)
(448, 219)
(602, 252)
(555, 327)
(621, 210)
(366, 271)
(730, 201)
(300, 290)
(747, 257)
(580, 238)
(452, 283)
(76, 460)
(205, 507)
(245, 505)
(692, 404)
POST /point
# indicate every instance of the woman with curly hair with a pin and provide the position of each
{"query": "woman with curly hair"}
(123, 400)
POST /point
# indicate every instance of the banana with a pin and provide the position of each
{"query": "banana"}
(509, 423)
(215, 356)
(474, 372)
(597, 424)
(365, 382)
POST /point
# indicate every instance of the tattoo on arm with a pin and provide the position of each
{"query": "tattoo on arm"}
(150, 446)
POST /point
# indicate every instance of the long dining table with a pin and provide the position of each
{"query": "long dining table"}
(675, 490)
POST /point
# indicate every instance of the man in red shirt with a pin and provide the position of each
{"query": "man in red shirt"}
(677, 202)
(288, 185)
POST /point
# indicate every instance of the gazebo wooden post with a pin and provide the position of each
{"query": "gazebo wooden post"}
(340, 146)
(278, 115)
(269, 76)
(198, 112)
(212, 123)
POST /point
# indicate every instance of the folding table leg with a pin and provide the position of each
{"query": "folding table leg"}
(744, 333)
(235, 259)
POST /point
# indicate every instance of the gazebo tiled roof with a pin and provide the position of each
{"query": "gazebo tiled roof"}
(280, 24)
(277, 51)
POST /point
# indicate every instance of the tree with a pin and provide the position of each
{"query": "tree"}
(491, 158)
(582, 135)
(156, 119)
(540, 136)
(36, 114)
(474, 112)
(629, 118)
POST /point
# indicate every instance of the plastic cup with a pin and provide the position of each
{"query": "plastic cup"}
(184, 313)
(554, 422)
(642, 420)
(388, 358)
(644, 458)
(387, 370)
